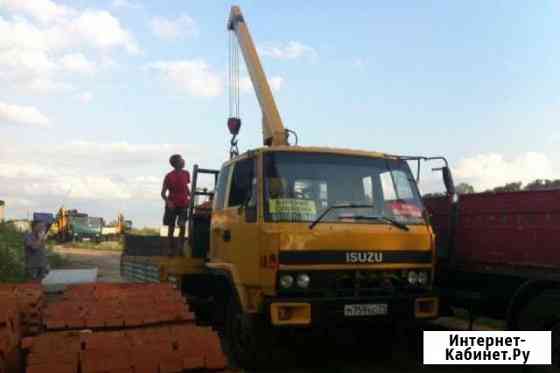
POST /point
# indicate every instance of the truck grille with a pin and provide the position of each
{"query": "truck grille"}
(350, 283)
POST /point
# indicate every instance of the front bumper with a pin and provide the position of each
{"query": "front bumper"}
(86, 236)
(303, 311)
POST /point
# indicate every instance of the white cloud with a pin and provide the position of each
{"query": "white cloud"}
(66, 28)
(95, 28)
(43, 86)
(24, 64)
(246, 86)
(42, 10)
(125, 4)
(33, 181)
(39, 39)
(22, 115)
(182, 26)
(98, 178)
(107, 62)
(359, 63)
(485, 171)
(288, 51)
(191, 76)
(78, 63)
(85, 97)
(276, 82)
(19, 33)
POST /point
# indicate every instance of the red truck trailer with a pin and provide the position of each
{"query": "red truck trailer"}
(499, 256)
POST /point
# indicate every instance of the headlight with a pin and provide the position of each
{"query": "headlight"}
(412, 277)
(286, 281)
(303, 281)
(423, 278)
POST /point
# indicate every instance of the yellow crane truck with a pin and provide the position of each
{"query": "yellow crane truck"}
(298, 237)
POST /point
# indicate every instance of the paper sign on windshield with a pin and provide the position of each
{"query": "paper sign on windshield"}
(292, 209)
(406, 209)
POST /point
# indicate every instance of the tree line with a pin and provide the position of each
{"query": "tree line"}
(538, 184)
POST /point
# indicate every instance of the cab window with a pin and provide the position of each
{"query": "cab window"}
(243, 184)
(221, 188)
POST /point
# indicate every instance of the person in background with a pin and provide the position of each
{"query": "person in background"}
(176, 194)
(36, 261)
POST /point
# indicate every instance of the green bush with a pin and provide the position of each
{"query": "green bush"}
(12, 260)
(11, 254)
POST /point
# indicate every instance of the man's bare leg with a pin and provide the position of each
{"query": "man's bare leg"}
(170, 239)
(181, 238)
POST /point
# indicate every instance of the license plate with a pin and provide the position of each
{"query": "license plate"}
(86, 239)
(353, 310)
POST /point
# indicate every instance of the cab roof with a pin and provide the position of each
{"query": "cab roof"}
(314, 149)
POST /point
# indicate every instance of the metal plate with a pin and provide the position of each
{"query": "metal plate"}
(360, 310)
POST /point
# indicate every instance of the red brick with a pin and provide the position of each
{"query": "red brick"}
(97, 362)
(171, 362)
(55, 368)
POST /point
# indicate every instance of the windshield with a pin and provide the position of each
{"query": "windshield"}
(95, 222)
(299, 187)
(87, 222)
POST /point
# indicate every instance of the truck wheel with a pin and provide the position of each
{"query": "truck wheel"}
(377, 339)
(246, 338)
(542, 312)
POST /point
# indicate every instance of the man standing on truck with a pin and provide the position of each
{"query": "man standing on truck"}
(177, 201)
(36, 262)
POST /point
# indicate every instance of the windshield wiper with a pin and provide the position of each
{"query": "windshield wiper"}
(379, 217)
(334, 207)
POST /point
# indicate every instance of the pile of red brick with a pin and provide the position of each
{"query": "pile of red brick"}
(10, 334)
(156, 333)
(103, 305)
(29, 301)
(163, 349)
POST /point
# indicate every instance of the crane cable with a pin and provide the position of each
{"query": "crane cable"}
(233, 85)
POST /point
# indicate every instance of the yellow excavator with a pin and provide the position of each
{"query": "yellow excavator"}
(297, 237)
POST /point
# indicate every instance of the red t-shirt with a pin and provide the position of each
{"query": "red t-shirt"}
(176, 182)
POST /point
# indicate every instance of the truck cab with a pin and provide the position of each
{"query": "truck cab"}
(312, 237)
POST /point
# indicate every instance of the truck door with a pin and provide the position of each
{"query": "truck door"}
(235, 234)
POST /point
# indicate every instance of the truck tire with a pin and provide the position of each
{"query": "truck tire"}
(247, 339)
(377, 339)
(542, 312)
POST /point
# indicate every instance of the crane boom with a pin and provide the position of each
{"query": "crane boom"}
(274, 132)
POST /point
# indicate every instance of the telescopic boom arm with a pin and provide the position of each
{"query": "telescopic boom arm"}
(274, 132)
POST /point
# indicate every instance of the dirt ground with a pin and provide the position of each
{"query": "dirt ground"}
(338, 353)
(106, 261)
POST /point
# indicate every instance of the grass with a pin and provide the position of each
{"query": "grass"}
(12, 268)
(146, 231)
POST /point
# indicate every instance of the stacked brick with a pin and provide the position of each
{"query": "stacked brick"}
(29, 300)
(161, 349)
(10, 334)
(122, 328)
(102, 306)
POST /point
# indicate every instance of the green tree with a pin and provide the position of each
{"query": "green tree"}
(508, 187)
(464, 188)
(543, 184)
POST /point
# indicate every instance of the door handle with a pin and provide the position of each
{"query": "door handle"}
(226, 235)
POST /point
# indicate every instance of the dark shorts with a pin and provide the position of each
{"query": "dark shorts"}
(175, 215)
(38, 273)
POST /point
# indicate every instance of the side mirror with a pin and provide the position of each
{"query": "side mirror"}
(448, 180)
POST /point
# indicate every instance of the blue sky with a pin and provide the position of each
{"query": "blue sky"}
(94, 95)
